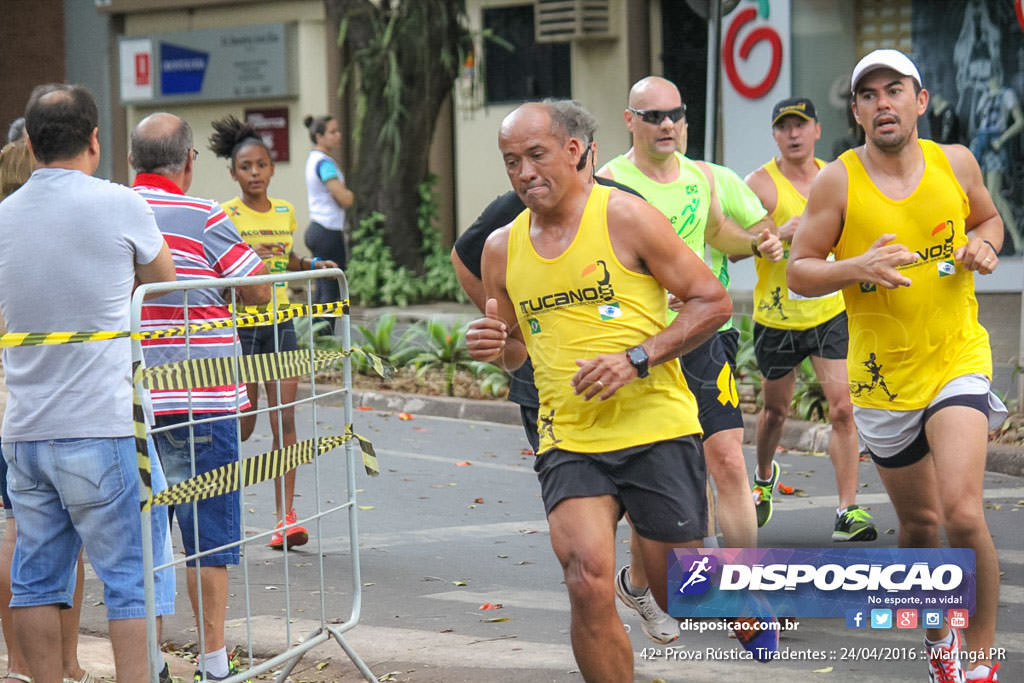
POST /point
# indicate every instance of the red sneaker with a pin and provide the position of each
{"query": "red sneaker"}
(295, 534)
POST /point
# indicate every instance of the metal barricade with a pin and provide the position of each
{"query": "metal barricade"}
(254, 469)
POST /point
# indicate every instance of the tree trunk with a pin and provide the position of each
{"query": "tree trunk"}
(406, 56)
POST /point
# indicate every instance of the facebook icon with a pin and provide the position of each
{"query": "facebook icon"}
(855, 618)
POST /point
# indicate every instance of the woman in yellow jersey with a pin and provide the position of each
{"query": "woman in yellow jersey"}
(268, 226)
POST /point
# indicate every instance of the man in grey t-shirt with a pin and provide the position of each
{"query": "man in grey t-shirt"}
(71, 249)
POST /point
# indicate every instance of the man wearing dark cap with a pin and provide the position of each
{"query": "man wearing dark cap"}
(789, 328)
(910, 223)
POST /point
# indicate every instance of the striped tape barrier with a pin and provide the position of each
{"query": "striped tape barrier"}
(263, 467)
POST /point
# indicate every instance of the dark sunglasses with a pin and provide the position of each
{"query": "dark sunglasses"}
(656, 116)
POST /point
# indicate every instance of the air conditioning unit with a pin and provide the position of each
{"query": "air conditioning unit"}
(560, 21)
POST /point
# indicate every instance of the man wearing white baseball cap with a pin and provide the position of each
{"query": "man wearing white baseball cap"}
(884, 59)
(910, 222)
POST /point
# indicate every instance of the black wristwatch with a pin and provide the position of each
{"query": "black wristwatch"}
(754, 248)
(638, 358)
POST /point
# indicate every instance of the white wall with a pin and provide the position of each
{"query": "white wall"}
(212, 179)
(599, 82)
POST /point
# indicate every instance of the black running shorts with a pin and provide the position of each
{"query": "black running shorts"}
(779, 351)
(710, 373)
(660, 485)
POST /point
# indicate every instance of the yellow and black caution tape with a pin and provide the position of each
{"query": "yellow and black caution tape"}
(261, 468)
(253, 320)
(263, 367)
(212, 372)
(11, 339)
(141, 445)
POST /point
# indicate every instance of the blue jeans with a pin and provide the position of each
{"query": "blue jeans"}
(215, 444)
(67, 492)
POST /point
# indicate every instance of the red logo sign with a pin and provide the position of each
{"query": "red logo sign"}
(957, 618)
(142, 68)
(729, 53)
(906, 618)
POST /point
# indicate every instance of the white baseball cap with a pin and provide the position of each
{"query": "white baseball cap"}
(884, 59)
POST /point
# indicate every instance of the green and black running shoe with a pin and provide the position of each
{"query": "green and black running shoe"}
(763, 495)
(854, 524)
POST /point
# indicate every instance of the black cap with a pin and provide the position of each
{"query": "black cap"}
(798, 106)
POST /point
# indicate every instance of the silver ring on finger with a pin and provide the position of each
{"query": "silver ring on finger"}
(599, 383)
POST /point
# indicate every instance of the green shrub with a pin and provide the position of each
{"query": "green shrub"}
(374, 279)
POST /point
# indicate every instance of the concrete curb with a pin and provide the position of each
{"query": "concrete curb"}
(797, 435)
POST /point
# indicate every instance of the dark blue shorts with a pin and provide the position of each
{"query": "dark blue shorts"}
(3, 484)
(215, 445)
(261, 339)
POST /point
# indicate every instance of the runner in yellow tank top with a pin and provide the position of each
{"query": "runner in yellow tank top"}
(712, 206)
(789, 328)
(911, 223)
(580, 272)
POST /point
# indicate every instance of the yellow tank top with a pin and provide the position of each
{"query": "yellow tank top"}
(774, 304)
(581, 304)
(906, 343)
(276, 226)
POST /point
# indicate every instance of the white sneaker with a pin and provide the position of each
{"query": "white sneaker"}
(944, 661)
(659, 627)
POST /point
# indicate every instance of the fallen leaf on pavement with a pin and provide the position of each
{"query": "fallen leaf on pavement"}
(494, 620)
(786, 490)
(364, 408)
(478, 500)
(491, 605)
(404, 416)
(464, 463)
(459, 583)
(320, 666)
(826, 670)
(526, 451)
(421, 429)
(365, 507)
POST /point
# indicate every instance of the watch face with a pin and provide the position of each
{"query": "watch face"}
(637, 354)
(638, 357)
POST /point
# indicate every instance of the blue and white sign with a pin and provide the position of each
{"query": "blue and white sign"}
(854, 583)
(238, 63)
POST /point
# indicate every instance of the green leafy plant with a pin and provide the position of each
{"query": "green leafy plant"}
(439, 281)
(492, 379)
(809, 402)
(379, 340)
(442, 347)
(747, 372)
(376, 279)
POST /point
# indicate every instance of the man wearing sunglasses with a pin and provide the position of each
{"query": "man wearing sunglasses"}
(706, 204)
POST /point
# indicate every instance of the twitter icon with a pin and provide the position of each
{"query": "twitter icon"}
(881, 618)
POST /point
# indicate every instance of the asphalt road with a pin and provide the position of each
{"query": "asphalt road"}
(455, 521)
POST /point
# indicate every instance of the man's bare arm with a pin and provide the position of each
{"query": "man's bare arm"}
(810, 273)
(496, 337)
(729, 237)
(256, 295)
(643, 240)
(983, 225)
(160, 269)
(471, 284)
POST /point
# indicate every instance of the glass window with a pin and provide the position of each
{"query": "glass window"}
(531, 70)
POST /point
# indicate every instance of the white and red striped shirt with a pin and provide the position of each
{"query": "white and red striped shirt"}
(204, 244)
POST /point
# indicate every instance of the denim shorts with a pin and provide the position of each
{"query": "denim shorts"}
(215, 445)
(3, 484)
(67, 492)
